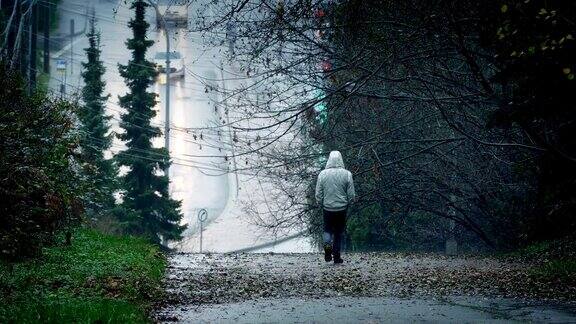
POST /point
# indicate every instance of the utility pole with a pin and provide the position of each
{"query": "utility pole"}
(46, 28)
(167, 118)
(167, 110)
(33, 38)
(71, 46)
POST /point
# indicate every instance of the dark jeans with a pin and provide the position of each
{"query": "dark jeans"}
(334, 225)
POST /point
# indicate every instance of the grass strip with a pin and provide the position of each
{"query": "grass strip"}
(99, 278)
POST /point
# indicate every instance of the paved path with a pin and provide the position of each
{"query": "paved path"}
(374, 310)
(367, 288)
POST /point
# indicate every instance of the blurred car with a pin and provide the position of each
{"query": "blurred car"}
(177, 68)
(173, 12)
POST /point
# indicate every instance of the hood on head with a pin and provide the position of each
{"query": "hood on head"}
(335, 160)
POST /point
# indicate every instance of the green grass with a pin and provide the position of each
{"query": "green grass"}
(553, 260)
(563, 270)
(100, 278)
(535, 250)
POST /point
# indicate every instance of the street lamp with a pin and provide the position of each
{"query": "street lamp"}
(167, 113)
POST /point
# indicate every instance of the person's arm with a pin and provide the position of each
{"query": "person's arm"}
(351, 192)
(319, 190)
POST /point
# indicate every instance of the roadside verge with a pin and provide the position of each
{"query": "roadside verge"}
(99, 278)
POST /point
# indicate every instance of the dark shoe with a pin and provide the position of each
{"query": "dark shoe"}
(338, 259)
(327, 252)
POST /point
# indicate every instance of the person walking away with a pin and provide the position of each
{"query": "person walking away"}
(334, 192)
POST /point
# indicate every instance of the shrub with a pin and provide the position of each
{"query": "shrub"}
(39, 178)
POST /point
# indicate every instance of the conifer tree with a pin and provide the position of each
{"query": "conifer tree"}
(149, 209)
(100, 172)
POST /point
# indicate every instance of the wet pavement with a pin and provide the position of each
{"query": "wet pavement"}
(369, 288)
(373, 310)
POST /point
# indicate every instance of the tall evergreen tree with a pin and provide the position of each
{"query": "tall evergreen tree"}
(152, 213)
(101, 172)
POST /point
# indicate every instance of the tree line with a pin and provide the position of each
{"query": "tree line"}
(454, 116)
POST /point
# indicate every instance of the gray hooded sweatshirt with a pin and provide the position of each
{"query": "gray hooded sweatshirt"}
(335, 187)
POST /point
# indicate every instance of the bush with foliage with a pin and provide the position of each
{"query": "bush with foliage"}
(39, 178)
(534, 48)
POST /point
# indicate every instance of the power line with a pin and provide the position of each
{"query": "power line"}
(100, 17)
(115, 64)
(112, 64)
(186, 163)
(140, 153)
(195, 77)
(186, 130)
(222, 148)
(121, 109)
